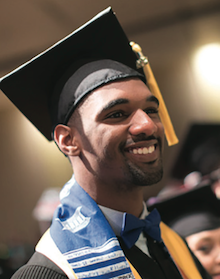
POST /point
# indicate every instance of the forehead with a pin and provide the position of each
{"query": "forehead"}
(133, 90)
(205, 235)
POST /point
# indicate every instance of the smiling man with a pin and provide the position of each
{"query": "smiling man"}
(105, 120)
(115, 141)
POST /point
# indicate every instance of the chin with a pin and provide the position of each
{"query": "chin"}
(148, 179)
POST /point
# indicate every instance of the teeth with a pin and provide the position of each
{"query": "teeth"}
(151, 149)
(144, 150)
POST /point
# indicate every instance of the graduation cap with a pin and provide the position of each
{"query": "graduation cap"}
(200, 151)
(96, 53)
(34, 86)
(189, 212)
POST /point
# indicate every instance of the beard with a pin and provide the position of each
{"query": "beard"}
(139, 177)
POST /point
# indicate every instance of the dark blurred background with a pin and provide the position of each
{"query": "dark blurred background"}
(170, 32)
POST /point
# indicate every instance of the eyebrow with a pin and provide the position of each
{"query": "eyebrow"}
(120, 101)
(115, 103)
(154, 99)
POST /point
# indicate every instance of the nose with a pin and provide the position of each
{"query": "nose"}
(217, 255)
(141, 123)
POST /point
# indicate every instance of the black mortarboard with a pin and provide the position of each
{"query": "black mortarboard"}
(189, 212)
(199, 152)
(37, 83)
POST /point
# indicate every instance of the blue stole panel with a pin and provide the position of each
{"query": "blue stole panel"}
(85, 238)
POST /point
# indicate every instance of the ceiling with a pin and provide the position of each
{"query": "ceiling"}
(27, 27)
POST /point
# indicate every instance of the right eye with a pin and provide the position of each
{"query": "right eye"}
(117, 114)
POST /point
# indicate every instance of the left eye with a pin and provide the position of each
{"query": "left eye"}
(151, 111)
(205, 249)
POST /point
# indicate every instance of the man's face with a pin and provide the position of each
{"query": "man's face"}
(121, 134)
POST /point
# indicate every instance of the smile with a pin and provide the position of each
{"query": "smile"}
(142, 150)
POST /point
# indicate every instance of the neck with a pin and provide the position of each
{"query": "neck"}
(115, 197)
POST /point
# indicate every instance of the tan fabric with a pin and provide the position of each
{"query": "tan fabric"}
(48, 248)
(134, 271)
(180, 253)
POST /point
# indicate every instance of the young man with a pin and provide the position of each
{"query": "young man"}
(105, 119)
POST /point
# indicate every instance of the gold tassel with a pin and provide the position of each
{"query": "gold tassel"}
(163, 113)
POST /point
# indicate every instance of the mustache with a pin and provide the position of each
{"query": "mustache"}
(141, 138)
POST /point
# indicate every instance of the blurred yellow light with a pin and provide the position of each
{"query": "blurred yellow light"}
(207, 64)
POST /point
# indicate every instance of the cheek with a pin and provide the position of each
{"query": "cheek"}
(107, 138)
(101, 138)
(161, 133)
(109, 144)
(160, 128)
(206, 261)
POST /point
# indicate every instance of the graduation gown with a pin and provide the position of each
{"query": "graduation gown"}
(40, 267)
(79, 228)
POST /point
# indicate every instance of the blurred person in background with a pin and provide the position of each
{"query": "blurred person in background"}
(195, 215)
(45, 207)
(191, 206)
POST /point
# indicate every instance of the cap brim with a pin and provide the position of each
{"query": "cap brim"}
(186, 203)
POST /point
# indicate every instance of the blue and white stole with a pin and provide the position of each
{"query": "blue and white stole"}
(80, 240)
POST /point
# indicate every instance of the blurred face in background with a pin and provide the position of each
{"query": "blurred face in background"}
(206, 246)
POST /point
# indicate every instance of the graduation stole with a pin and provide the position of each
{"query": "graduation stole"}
(81, 242)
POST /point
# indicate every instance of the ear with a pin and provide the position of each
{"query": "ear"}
(66, 139)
